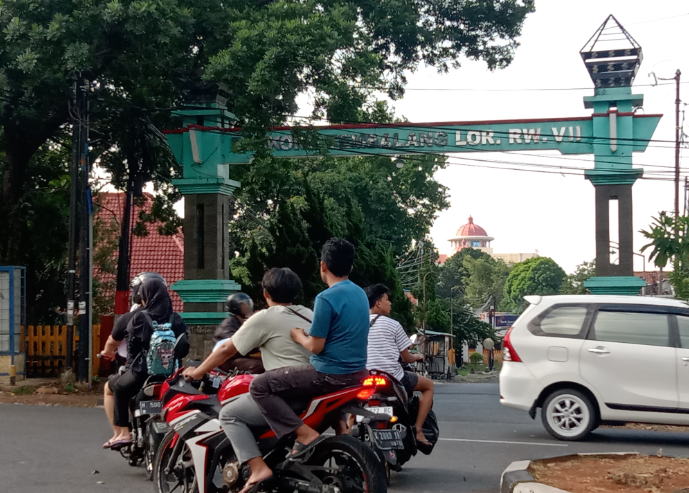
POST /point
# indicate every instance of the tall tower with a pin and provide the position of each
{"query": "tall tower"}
(612, 58)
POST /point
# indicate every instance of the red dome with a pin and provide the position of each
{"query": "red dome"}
(471, 229)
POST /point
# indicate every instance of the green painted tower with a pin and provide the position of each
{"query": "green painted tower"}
(612, 58)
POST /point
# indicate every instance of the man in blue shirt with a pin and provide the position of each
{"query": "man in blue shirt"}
(338, 340)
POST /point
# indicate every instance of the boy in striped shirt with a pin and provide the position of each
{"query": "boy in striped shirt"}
(387, 342)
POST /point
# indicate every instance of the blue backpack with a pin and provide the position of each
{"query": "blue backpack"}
(160, 357)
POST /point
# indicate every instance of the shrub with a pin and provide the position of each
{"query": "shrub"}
(476, 358)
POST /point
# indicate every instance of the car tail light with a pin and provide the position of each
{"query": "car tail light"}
(508, 352)
(365, 394)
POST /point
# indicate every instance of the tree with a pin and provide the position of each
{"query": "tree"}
(486, 279)
(574, 283)
(146, 58)
(535, 276)
(668, 239)
(453, 274)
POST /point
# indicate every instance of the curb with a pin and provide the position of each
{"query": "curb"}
(517, 479)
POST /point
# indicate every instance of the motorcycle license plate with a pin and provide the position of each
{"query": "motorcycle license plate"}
(376, 410)
(388, 439)
(151, 407)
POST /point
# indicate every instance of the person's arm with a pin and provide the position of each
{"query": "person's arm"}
(311, 343)
(320, 326)
(111, 345)
(407, 357)
(224, 352)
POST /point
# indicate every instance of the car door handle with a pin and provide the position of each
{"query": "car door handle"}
(599, 350)
(685, 359)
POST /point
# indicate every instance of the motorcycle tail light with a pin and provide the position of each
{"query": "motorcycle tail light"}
(365, 394)
(373, 403)
(374, 381)
(381, 425)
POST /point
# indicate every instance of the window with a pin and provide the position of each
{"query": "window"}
(561, 321)
(648, 329)
(683, 326)
(475, 243)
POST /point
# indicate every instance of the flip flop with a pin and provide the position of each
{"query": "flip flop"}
(108, 444)
(120, 444)
(256, 486)
(299, 450)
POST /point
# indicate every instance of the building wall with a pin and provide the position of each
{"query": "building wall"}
(513, 258)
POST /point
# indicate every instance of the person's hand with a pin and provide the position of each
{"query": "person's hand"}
(106, 355)
(419, 356)
(192, 373)
(298, 335)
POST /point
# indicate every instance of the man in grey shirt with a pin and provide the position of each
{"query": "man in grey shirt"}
(269, 330)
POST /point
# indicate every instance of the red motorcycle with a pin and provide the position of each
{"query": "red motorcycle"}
(197, 457)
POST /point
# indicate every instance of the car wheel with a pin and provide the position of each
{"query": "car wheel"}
(568, 414)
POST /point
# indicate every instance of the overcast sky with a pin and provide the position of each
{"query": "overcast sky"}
(552, 213)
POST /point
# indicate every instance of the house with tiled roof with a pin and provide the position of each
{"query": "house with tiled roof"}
(150, 253)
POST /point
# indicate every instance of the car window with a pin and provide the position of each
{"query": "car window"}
(648, 329)
(566, 320)
(683, 326)
(560, 321)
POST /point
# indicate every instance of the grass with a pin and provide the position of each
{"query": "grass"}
(69, 388)
(24, 390)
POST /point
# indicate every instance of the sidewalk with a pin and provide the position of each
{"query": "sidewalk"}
(50, 392)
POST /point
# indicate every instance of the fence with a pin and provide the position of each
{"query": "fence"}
(497, 354)
(45, 349)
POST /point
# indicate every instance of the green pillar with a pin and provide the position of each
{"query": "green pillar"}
(615, 139)
(206, 284)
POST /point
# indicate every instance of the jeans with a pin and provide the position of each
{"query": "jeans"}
(274, 390)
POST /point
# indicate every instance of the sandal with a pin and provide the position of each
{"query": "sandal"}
(120, 444)
(109, 443)
(299, 450)
(256, 486)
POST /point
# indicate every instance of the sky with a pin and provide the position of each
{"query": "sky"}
(552, 213)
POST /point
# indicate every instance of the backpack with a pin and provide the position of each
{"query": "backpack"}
(160, 357)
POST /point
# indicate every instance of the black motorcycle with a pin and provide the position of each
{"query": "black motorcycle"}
(147, 432)
(388, 426)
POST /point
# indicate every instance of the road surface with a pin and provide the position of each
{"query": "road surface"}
(56, 449)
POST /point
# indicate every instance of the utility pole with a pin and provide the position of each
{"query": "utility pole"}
(677, 139)
(73, 217)
(85, 269)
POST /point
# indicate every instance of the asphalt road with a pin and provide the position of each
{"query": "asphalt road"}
(56, 449)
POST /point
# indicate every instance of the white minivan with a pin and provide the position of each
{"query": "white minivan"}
(594, 359)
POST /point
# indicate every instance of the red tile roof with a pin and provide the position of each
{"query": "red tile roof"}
(152, 253)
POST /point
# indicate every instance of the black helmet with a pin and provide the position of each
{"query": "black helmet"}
(235, 302)
(138, 281)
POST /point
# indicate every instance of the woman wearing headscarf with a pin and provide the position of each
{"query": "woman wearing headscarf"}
(120, 389)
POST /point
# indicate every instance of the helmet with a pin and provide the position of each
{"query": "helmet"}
(138, 281)
(235, 302)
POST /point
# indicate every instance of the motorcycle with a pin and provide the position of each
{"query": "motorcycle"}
(196, 456)
(401, 410)
(147, 433)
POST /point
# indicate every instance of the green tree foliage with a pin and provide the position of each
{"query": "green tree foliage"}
(574, 283)
(147, 57)
(486, 279)
(454, 274)
(535, 276)
(668, 242)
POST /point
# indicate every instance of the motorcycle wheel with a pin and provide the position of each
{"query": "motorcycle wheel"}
(181, 477)
(358, 468)
(151, 443)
